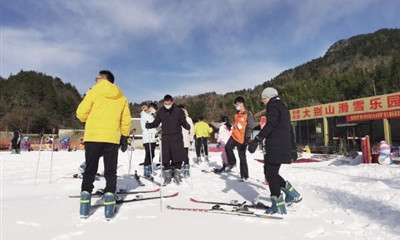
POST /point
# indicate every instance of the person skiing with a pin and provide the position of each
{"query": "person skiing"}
(105, 111)
(187, 141)
(224, 133)
(149, 138)
(202, 131)
(241, 134)
(173, 152)
(278, 136)
(16, 141)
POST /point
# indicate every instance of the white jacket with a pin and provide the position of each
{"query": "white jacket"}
(188, 134)
(148, 135)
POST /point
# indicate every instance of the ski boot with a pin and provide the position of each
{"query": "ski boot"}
(292, 196)
(147, 172)
(109, 203)
(186, 170)
(82, 168)
(85, 204)
(177, 176)
(206, 159)
(167, 174)
(197, 160)
(278, 205)
(229, 168)
(220, 170)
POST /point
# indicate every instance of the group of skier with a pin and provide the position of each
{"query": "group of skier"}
(106, 113)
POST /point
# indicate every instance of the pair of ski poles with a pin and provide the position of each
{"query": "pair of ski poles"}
(51, 159)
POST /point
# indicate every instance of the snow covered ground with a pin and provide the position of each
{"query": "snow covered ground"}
(340, 201)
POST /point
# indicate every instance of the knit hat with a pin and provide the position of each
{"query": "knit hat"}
(269, 92)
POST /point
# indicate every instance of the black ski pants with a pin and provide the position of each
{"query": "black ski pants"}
(93, 152)
(201, 142)
(186, 161)
(230, 145)
(149, 148)
(173, 154)
(276, 182)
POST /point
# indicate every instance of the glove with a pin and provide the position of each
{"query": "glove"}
(147, 125)
(253, 144)
(123, 143)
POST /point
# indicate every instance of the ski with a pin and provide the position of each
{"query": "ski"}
(120, 201)
(151, 179)
(100, 193)
(218, 210)
(234, 203)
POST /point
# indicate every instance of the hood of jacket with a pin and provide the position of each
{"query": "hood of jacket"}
(108, 90)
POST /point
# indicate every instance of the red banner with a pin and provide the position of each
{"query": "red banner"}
(373, 116)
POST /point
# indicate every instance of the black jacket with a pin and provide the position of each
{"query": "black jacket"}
(172, 119)
(277, 132)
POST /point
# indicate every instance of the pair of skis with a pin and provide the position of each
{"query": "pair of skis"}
(240, 209)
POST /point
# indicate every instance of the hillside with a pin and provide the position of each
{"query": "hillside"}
(360, 66)
(34, 101)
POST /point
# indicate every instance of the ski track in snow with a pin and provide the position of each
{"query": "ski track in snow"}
(340, 201)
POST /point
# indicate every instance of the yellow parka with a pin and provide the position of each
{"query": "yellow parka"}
(106, 113)
(202, 129)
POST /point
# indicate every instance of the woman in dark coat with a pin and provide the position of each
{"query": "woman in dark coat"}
(278, 135)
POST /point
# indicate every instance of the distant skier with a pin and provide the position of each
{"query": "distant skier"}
(106, 112)
(278, 150)
(16, 141)
(224, 133)
(202, 131)
(241, 134)
(173, 152)
(148, 137)
(187, 141)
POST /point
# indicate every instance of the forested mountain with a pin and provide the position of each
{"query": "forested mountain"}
(34, 102)
(360, 66)
(364, 65)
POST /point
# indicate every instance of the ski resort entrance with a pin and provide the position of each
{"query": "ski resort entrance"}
(326, 124)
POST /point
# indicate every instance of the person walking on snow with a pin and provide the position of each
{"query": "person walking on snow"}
(16, 141)
(172, 119)
(149, 137)
(105, 111)
(202, 131)
(241, 134)
(224, 133)
(278, 136)
(187, 141)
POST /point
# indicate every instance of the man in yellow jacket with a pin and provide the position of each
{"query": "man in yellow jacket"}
(202, 131)
(105, 111)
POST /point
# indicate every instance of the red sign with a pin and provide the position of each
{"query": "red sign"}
(373, 116)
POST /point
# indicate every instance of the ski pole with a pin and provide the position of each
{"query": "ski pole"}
(151, 155)
(51, 159)
(40, 150)
(130, 159)
(161, 175)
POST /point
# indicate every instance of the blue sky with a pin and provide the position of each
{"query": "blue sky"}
(179, 47)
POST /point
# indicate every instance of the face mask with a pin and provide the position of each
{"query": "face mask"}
(238, 108)
(167, 106)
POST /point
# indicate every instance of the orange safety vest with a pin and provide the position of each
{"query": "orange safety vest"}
(239, 129)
